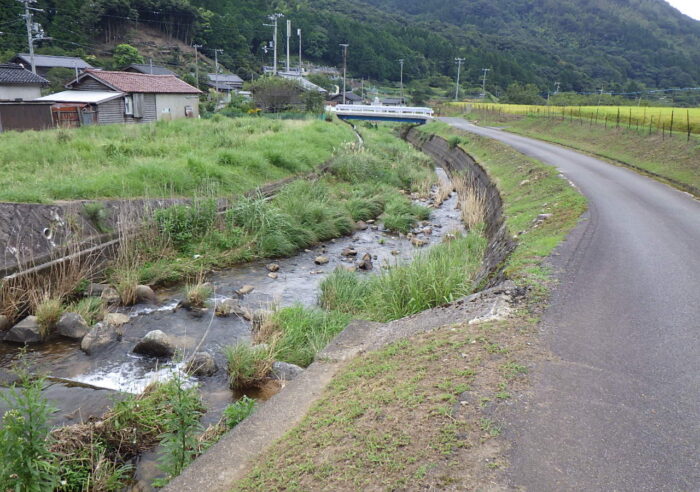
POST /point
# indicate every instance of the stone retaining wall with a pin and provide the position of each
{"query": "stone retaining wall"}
(457, 162)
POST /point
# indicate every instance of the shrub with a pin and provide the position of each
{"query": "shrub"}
(238, 411)
(183, 224)
(179, 441)
(249, 366)
(26, 463)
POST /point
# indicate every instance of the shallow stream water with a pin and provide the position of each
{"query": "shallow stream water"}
(117, 370)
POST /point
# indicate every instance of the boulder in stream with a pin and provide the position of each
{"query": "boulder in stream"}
(156, 344)
(273, 267)
(111, 296)
(285, 371)
(116, 319)
(246, 289)
(361, 225)
(144, 293)
(26, 331)
(349, 252)
(100, 336)
(4, 323)
(273, 275)
(321, 260)
(72, 325)
(228, 307)
(201, 364)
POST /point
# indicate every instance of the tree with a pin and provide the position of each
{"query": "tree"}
(58, 77)
(275, 94)
(523, 94)
(125, 55)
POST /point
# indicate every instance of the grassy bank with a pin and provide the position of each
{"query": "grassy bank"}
(426, 413)
(674, 158)
(181, 158)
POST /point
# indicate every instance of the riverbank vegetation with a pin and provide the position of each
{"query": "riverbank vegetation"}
(357, 431)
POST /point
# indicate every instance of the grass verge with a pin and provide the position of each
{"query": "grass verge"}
(428, 412)
(674, 158)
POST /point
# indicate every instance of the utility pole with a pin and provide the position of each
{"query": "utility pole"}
(556, 90)
(196, 61)
(216, 65)
(601, 94)
(289, 35)
(401, 60)
(345, 66)
(483, 83)
(459, 69)
(150, 63)
(300, 65)
(274, 18)
(32, 28)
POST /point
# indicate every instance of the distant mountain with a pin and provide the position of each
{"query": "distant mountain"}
(583, 44)
(577, 42)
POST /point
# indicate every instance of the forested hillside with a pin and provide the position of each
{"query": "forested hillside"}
(584, 44)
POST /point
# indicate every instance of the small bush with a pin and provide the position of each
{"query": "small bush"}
(47, 313)
(27, 463)
(453, 142)
(249, 366)
(238, 411)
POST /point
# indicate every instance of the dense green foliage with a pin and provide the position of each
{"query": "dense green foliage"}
(624, 45)
(442, 274)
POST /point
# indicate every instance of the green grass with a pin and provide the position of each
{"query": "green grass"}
(218, 156)
(300, 333)
(442, 274)
(249, 365)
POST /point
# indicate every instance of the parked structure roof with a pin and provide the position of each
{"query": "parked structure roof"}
(52, 61)
(14, 74)
(139, 82)
(91, 97)
(149, 69)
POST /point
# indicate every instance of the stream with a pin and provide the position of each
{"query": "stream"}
(84, 386)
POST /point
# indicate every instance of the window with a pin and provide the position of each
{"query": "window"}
(128, 105)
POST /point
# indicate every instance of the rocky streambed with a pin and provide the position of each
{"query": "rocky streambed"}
(83, 385)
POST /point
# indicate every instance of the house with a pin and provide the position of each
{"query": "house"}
(350, 98)
(148, 68)
(225, 83)
(16, 82)
(104, 97)
(44, 63)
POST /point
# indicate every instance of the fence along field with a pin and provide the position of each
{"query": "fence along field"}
(647, 118)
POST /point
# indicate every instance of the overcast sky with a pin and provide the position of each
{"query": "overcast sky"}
(688, 7)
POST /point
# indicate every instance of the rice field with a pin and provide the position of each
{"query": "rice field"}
(680, 120)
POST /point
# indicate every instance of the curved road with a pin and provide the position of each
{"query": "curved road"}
(619, 408)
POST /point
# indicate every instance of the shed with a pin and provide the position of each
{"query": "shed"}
(141, 97)
(18, 83)
(350, 98)
(25, 115)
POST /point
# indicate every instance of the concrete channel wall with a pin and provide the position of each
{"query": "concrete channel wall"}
(457, 163)
(228, 461)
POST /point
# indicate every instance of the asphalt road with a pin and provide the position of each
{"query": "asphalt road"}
(619, 407)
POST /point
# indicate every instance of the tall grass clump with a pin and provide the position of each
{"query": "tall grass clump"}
(300, 333)
(92, 309)
(440, 275)
(48, 311)
(249, 365)
(401, 214)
